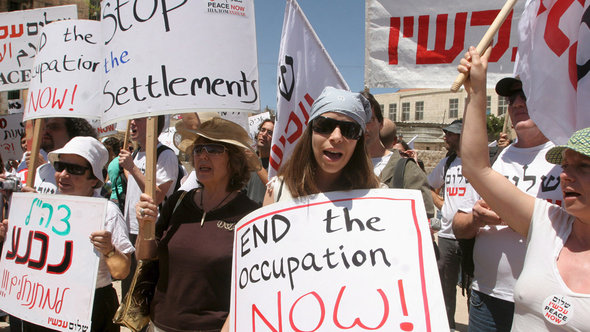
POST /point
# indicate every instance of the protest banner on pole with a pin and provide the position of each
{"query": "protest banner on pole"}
(194, 65)
(406, 42)
(19, 36)
(337, 261)
(48, 268)
(304, 70)
(65, 79)
(554, 61)
(11, 128)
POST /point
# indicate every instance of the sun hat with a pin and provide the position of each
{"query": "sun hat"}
(344, 102)
(506, 86)
(88, 148)
(579, 142)
(184, 135)
(455, 127)
(225, 131)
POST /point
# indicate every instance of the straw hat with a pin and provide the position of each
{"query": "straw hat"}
(224, 131)
(185, 136)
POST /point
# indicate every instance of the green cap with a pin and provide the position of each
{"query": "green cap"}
(579, 142)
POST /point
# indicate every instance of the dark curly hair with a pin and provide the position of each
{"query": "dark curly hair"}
(79, 127)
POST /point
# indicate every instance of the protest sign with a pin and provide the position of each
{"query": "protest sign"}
(19, 35)
(106, 130)
(254, 122)
(304, 70)
(554, 61)
(11, 127)
(337, 261)
(408, 42)
(48, 268)
(205, 57)
(16, 106)
(65, 79)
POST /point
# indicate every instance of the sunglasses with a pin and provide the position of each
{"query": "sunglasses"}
(515, 94)
(325, 126)
(71, 168)
(212, 149)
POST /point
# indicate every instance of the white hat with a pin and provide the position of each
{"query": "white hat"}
(88, 148)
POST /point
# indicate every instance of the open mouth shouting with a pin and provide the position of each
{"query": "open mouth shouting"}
(332, 155)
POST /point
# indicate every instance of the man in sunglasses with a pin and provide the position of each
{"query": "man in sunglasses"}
(386, 163)
(256, 187)
(498, 253)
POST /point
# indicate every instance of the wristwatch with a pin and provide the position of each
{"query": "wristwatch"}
(110, 253)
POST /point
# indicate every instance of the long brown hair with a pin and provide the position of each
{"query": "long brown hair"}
(299, 172)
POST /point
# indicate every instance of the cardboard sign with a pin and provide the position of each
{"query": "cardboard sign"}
(254, 122)
(337, 261)
(19, 35)
(11, 127)
(408, 41)
(66, 79)
(205, 57)
(48, 268)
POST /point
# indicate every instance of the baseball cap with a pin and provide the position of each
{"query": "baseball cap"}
(455, 127)
(506, 86)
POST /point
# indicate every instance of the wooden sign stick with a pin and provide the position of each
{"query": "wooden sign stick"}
(151, 141)
(34, 152)
(487, 39)
(126, 141)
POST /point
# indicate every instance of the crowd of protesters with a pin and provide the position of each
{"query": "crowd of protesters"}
(527, 242)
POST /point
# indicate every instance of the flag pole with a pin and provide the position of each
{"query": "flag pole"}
(487, 39)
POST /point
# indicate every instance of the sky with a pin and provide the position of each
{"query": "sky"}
(340, 25)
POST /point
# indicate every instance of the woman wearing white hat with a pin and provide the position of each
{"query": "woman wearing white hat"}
(194, 233)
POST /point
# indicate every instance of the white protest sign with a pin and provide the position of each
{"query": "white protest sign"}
(337, 261)
(11, 127)
(48, 268)
(205, 57)
(419, 43)
(104, 131)
(19, 35)
(16, 106)
(304, 70)
(254, 122)
(65, 80)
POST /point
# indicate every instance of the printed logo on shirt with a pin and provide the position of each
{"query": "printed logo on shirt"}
(558, 309)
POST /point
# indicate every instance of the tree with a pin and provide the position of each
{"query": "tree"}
(495, 125)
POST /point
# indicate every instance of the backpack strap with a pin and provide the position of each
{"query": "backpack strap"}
(398, 173)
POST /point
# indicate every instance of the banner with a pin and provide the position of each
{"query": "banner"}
(205, 57)
(48, 268)
(337, 261)
(66, 76)
(420, 43)
(554, 61)
(11, 127)
(305, 69)
(19, 36)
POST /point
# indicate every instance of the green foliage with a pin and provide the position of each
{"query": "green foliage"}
(495, 125)
(93, 10)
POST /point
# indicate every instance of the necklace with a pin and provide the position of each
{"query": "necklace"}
(203, 207)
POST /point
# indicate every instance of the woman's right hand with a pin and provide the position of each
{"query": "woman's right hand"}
(3, 229)
(146, 210)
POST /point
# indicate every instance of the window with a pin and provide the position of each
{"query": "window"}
(393, 112)
(419, 115)
(489, 105)
(502, 105)
(453, 108)
(405, 111)
(13, 94)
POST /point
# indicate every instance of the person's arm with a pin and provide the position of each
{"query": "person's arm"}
(263, 175)
(126, 161)
(513, 206)
(117, 262)
(145, 249)
(437, 200)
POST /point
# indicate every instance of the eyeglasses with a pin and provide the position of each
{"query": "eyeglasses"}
(265, 131)
(71, 168)
(325, 126)
(212, 149)
(514, 95)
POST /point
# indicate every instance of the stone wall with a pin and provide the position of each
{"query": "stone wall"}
(430, 158)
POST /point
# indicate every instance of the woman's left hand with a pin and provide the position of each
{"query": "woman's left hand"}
(145, 209)
(102, 241)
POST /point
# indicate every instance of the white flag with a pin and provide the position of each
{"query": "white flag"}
(305, 69)
(554, 60)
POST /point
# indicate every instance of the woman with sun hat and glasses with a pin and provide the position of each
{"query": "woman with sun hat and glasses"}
(194, 232)
(330, 155)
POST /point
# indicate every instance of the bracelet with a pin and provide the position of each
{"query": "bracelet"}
(110, 253)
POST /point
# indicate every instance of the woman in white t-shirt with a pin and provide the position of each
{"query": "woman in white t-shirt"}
(330, 155)
(553, 290)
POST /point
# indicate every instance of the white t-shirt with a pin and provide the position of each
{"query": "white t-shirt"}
(380, 162)
(166, 170)
(542, 299)
(114, 223)
(458, 193)
(190, 182)
(499, 251)
(45, 179)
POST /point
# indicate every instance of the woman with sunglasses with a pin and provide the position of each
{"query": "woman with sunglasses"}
(552, 292)
(194, 232)
(330, 155)
(78, 171)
